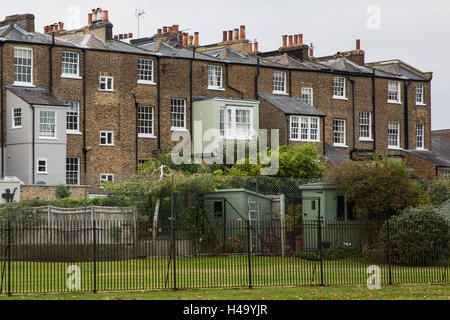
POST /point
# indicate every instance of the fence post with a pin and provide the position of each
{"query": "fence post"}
(249, 255)
(9, 258)
(319, 239)
(94, 238)
(173, 231)
(389, 251)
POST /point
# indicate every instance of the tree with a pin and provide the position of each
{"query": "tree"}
(295, 162)
(379, 188)
(439, 192)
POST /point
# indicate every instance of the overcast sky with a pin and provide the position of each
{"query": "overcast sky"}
(414, 31)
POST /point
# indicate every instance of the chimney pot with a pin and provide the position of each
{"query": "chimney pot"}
(130, 35)
(230, 35)
(170, 29)
(176, 27)
(242, 32)
(236, 34)
(311, 52)
(250, 47)
(300, 39)
(256, 47)
(358, 44)
(116, 37)
(196, 39)
(99, 14)
(224, 36)
(191, 37)
(105, 15)
(94, 15)
(296, 40)
(164, 29)
(185, 39)
(61, 25)
(284, 41)
(159, 31)
(89, 19)
(121, 36)
(290, 41)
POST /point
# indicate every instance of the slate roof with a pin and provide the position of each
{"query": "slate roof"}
(166, 50)
(439, 155)
(291, 105)
(92, 42)
(334, 156)
(397, 68)
(36, 96)
(13, 32)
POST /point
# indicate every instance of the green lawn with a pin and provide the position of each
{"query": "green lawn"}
(395, 292)
(217, 272)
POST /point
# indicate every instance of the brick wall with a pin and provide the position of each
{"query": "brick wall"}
(31, 192)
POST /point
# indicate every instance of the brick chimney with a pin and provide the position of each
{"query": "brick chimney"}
(24, 21)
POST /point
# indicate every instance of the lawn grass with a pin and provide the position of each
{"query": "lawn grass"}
(360, 292)
(212, 272)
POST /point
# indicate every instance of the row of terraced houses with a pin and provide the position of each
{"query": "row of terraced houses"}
(86, 102)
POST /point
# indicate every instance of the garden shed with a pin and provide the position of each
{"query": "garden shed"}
(336, 213)
(226, 212)
(445, 209)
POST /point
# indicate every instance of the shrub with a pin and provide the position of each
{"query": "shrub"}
(417, 237)
(62, 192)
(439, 192)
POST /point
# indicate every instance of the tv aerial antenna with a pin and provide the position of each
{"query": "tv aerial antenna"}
(139, 14)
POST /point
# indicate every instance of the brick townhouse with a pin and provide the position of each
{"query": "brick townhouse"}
(86, 103)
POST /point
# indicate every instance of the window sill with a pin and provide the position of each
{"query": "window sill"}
(340, 145)
(146, 136)
(216, 88)
(179, 130)
(340, 98)
(15, 128)
(394, 102)
(24, 84)
(107, 145)
(366, 139)
(48, 138)
(421, 149)
(280, 93)
(394, 148)
(297, 140)
(71, 76)
(149, 83)
(111, 91)
(78, 133)
(421, 104)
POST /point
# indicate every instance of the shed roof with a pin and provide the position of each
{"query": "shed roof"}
(239, 191)
(36, 96)
(440, 152)
(291, 105)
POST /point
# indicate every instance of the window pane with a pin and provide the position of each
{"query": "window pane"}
(47, 123)
(279, 81)
(178, 113)
(145, 70)
(72, 171)
(145, 120)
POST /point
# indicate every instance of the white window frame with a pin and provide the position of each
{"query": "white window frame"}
(390, 128)
(369, 125)
(143, 123)
(77, 64)
(39, 165)
(55, 125)
(276, 81)
(105, 135)
(14, 117)
(104, 177)
(213, 82)
(340, 82)
(70, 113)
(420, 95)
(308, 92)
(297, 135)
(446, 174)
(146, 76)
(77, 172)
(230, 128)
(420, 136)
(398, 92)
(104, 80)
(23, 83)
(344, 133)
(174, 103)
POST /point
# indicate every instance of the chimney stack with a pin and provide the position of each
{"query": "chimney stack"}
(196, 39)
(284, 41)
(224, 36)
(358, 44)
(242, 32)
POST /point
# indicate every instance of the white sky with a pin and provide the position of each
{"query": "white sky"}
(414, 31)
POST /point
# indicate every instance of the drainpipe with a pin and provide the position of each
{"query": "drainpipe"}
(406, 85)
(374, 132)
(85, 151)
(33, 145)
(158, 60)
(290, 83)
(136, 104)
(191, 118)
(353, 111)
(288, 129)
(323, 134)
(1, 111)
(50, 54)
(257, 78)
